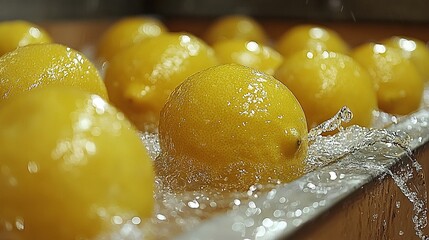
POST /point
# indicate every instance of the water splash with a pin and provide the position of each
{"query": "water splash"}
(334, 123)
(269, 211)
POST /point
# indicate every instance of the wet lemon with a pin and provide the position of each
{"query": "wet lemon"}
(248, 53)
(228, 127)
(41, 65)
(235, 27)
(413, 49)
(310, 37)
(127, 32)
(398, 84)
(71, 167)
(324, 82)
(140, 78)
(15, 34)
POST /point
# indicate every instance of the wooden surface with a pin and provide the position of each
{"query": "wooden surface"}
(379, 210)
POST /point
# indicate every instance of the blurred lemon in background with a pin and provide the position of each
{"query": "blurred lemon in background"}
(413, 49)
(228, 127)
(140, 78)
(324, 82)
(40, 65)
(248, 53)
(310, 37)
(20, 33)
(127, 32)
(72, 167)
(235, 27)
(398, 84)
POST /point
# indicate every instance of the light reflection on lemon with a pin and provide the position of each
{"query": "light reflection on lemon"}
(415, 50)
(324, 82)
(398, 84)
(228, 127)
(310, 37)
(41, 65)
(71, 166)
(126, 32)
(140, 78)
(248, 53)
(18, 33)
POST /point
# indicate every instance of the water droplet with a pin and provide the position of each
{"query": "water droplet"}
(19, 224)
(136, 220)
(33, 167)
(193, 204)
(117, 220)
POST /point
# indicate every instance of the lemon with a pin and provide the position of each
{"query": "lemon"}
(228, 127)
(14, 34)
(235, 27)
(248, 53)
(140, 78)
(40, 65)
(324, 82)
(310, 37)
(70, 166)
(126, 32)
(413, 49)
(398, 84)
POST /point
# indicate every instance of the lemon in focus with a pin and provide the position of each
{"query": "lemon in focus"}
(228, 127)
(324, 82)
(127, 32)
(310, 37)
(14, 34)
(140, 78)
(40, 65)
(235, 27)
(398, 84)
(413, 49)
(71, 166)
(248, 53)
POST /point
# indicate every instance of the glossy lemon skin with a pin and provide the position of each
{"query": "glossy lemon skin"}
(310, 37)
(40, 65)
(325, 82)
(235, 27)
(69, 162)
(127, 32)
(413, 49)
(248, 53)
(398, 84)
(140, 78)
(14, 34)
(228, 127)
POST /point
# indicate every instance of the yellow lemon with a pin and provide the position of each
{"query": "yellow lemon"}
(398, 84)
(41, 65)
(228, 127)
(14, 34)
(71, 167)
(413, 49)
(235, 27)
(310, 37)
(248, 53)
(127, 32)
(324, 82)
(140, 78)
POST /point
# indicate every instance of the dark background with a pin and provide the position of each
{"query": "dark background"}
(415, 11)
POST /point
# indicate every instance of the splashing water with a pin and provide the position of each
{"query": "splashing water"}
(334, 123)
(267, 212)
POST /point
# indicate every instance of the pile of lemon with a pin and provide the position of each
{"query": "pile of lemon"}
(231, 109)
